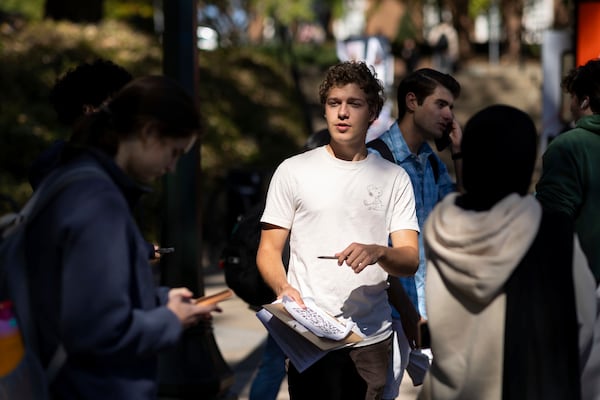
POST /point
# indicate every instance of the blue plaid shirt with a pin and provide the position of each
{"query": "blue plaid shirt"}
(427, 194)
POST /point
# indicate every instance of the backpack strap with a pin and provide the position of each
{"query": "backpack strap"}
(50, 186)
(55, 183)
(59, 358)
(436, 167)
(384, 150)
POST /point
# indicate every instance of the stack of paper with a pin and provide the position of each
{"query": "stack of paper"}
(303, 346)
(316, 320)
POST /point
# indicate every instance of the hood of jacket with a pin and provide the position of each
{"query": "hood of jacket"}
(476, 252)
(590, 123)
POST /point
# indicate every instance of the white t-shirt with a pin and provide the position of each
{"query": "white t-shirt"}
(328, 203)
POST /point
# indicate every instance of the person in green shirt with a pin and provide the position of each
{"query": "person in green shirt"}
(570, 179)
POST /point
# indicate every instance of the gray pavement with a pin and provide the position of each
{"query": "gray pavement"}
(240, 337)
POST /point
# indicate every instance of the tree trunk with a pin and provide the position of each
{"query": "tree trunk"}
(464, 26)
(512, 11)
(74, 10)
(564, 14)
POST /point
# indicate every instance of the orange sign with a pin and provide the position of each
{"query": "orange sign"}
(588, 31)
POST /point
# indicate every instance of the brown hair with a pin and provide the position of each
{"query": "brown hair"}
(359, 73)
(156, 100)
(422, 83)
(585, 81)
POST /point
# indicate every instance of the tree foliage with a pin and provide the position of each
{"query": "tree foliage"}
(250, 110)
(285, 12)
(477, 7)
(29, 9)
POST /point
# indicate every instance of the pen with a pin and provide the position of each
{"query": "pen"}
(328, 257)
(165, 250)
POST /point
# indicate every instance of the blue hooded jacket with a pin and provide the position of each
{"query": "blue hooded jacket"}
(93, 289)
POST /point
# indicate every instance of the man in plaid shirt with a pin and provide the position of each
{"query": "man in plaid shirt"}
(425, 102)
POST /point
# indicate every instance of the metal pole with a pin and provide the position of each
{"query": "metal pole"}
(494, 41)
(195, 368)
(182, 221)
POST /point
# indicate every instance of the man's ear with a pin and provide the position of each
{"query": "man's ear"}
(411, 102)
(148, 131)
(372, 117)
(584, 103)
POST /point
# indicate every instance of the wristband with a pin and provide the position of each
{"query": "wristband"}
(457, 156)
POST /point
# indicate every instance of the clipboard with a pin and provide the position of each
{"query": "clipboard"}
(300, 345)
(279, 311)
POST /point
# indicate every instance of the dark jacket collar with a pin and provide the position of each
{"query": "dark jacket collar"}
(130, 188)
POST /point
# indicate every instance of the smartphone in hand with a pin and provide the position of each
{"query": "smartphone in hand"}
(444, 141)
(214, 298)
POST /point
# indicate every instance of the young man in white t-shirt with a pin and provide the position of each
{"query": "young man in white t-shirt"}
(338, 200)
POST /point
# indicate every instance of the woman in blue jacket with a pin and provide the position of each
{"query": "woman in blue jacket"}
(93, 290)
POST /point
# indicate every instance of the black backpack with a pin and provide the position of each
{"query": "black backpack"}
(238, 259)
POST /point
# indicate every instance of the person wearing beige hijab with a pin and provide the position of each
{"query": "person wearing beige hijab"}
(499, 289)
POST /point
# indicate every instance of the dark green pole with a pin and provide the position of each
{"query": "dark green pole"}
(195, 369)
(182, 220)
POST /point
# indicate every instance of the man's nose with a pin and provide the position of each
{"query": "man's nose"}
(343, 111)
(448, 114)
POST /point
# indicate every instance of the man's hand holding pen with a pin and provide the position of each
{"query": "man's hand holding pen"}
(357, 256)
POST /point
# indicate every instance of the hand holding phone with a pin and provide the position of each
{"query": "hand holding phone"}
(165, 250)
(214, 298)
(444, 141)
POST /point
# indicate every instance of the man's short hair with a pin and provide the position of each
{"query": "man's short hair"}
(422, 83)
(585, 81)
